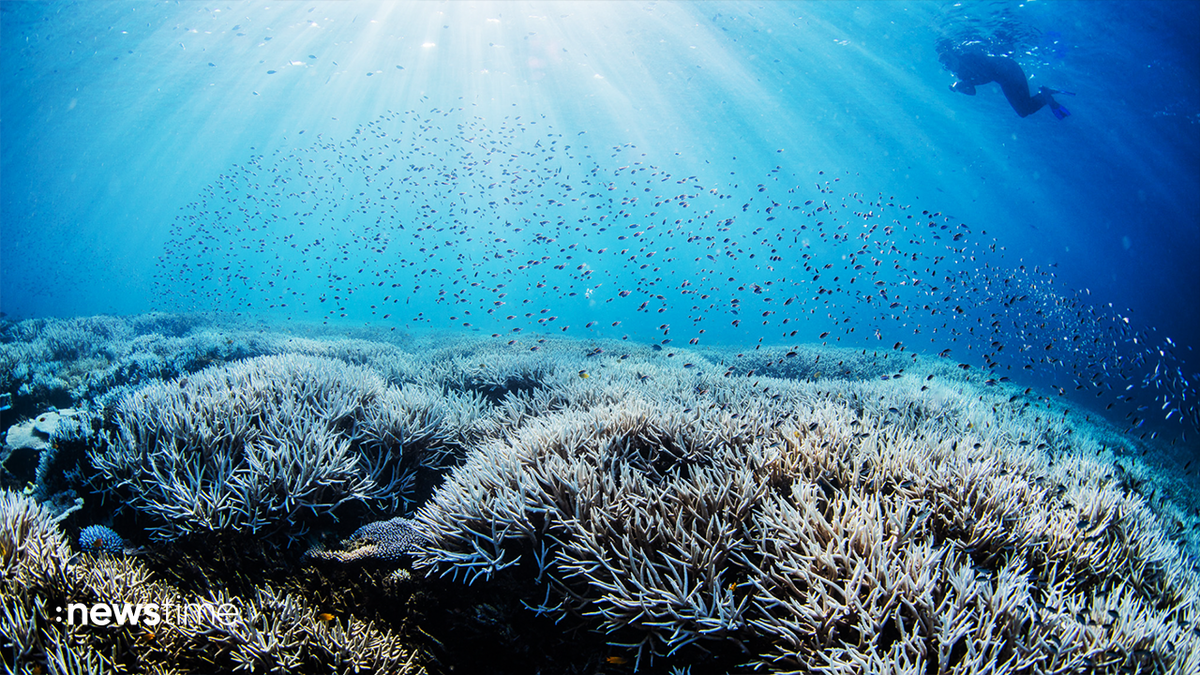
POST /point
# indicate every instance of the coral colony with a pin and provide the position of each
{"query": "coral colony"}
(100, 539)
(389, 541)
(535, 437)
(811, 517)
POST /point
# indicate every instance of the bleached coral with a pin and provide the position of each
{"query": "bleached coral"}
(266, 445)
(815, 510)
(32, 549)
(382, 541)
(69, 361)
(267, 631)
(825, 526)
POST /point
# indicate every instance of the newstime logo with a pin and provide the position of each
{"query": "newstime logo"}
(146, 613)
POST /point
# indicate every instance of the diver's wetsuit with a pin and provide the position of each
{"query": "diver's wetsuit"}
(975, 68)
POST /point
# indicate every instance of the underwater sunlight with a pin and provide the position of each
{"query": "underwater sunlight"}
(600, 337)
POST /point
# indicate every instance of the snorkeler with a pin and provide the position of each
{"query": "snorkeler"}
(973, 68)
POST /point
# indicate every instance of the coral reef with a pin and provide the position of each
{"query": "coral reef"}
(32, 549)
(100, 539)
(809, 510)
(64, 362)
(36, 459)
(840, 528)
(270, 445)
(27, 444)
(43, 626)
(387, 541)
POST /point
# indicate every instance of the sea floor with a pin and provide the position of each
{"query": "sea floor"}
(303, 499)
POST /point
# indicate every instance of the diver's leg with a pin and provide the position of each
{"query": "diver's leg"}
(1060, 111)
(1016, 89)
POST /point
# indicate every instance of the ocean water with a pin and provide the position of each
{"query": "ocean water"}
(134, 134)
(687, 186)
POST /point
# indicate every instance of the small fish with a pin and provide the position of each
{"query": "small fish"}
(583, 375)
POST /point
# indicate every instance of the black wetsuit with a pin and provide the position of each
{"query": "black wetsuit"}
(975, 68)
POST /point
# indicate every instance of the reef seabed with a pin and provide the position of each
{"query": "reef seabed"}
(355, 505)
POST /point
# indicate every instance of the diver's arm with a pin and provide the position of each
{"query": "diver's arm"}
(971, 70)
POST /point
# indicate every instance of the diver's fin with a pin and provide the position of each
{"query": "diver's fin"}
(1060, 111)
(1050, 91)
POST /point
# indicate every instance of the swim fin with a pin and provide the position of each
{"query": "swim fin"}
(1048, 90)
(1060, 111)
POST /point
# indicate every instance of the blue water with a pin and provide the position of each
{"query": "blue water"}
(125, 124)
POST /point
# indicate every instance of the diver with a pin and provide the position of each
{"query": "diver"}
(974, 67)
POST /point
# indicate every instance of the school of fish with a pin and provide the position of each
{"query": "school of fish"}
(443, 219)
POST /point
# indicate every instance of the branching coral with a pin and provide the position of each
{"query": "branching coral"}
(805, 511)
(69, 361)
(847, 528)
(100, 539)
(384, 541)
(32, 549)
(41, 630)
(269, 444)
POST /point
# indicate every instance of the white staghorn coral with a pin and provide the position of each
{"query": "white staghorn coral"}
(819, 510)
(268, 444)
(267, 631)
(32, 549)
(827, 526)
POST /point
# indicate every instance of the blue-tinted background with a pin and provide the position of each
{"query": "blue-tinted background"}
(116, 116)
